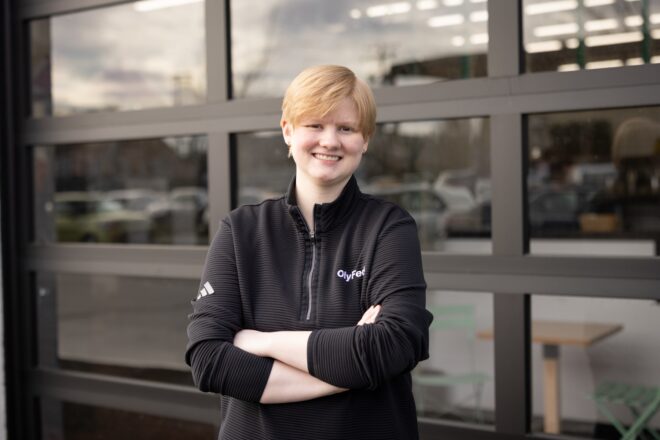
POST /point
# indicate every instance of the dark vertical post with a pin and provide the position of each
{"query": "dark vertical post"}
(511, 312)
(218, 74)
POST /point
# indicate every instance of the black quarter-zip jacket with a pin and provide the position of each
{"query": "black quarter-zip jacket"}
(266, 270)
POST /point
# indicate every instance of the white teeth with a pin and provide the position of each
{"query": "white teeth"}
(325, 157)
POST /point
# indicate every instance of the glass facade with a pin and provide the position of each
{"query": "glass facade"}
(134, 56)
(594, 182)
(587, 353)
(439, 171)
(587, 152)
(117, 325)
(137, 192)
(590, 34)
(271, 41)
(456, 383)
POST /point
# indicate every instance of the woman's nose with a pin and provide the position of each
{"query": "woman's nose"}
(329, 138)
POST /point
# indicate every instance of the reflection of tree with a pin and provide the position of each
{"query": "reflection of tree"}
(262, 161)
(184, 91)
(252, 74)
(385, 54)
(402, 155)
(150, 163)
(395, 156)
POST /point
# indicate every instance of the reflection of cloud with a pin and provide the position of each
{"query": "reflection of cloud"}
(118, 57)
(293, 34)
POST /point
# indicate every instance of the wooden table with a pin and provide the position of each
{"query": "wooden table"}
(552, 334)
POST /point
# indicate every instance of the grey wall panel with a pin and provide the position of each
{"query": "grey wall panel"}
(179, 402)
(216, 51)
(511, 319)
(147, 261)
(547, 285)
(550, 266)
(219, 172)
(161, 261)
(212, 117)
(506, 158)
(504, 38)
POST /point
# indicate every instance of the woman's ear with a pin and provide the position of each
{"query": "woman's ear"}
(286, 131)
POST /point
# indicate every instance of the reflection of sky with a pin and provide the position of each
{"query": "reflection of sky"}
(272, 40)
(271, 43)
(121, 58)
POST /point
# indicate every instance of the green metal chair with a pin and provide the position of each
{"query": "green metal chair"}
(642, 401)
(460, 320)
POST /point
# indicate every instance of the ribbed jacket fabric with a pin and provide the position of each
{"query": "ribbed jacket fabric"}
(266, 271)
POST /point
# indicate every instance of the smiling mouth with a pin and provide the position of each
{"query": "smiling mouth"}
(326, 157)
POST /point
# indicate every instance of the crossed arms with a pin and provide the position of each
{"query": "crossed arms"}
(289, 379)
(294, 366)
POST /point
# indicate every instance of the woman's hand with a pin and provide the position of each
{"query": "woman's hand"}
(253, 341)
(369, 316)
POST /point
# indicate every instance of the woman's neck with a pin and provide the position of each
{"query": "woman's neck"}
(308, 194)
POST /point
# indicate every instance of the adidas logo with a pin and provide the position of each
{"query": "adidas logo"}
(206, 290)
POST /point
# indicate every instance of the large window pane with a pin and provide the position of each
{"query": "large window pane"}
(591, 34)
(457, 381)
(76, 421)
(133, 56)
(399, 42)
(141, 191)
(594, 182)
(123, 326)
(591, 356)
(437, 170)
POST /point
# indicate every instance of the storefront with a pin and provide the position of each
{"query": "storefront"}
(523, 137)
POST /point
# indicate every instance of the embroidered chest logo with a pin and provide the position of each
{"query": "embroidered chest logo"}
(348, 276)
(206, 290)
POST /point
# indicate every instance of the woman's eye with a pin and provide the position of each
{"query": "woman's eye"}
(346, 129)
(315, 126)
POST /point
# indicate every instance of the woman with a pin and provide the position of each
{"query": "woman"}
(311, 311)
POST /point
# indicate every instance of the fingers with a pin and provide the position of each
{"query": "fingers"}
(370, 315)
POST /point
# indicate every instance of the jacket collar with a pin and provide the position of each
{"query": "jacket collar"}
(326, 215)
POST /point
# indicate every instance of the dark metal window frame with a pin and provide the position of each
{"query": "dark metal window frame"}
(506, 96)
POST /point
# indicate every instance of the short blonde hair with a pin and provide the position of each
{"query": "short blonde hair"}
(318, 90)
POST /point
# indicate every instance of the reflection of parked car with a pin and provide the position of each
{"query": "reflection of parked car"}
(135, 199)
(554, 210)
(458, 188)
(550, 210)
(91, 217)
(426, 206)
(182, 216)
(474, 222)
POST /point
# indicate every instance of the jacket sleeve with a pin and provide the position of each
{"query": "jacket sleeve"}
(369, 355)
(217, 365)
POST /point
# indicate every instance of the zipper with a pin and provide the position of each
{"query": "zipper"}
(311, 273)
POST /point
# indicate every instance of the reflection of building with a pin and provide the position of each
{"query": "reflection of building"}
(95, 331)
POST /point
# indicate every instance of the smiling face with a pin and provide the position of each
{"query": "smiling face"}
(326, 150)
